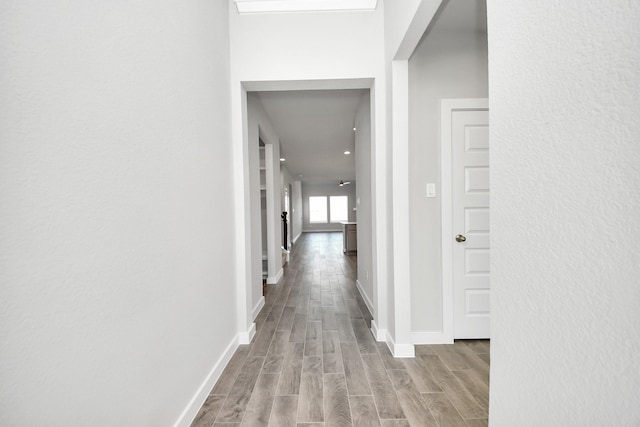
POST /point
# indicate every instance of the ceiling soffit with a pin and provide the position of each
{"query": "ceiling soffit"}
(281, 6)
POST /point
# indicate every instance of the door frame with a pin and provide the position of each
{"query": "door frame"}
(447, 108)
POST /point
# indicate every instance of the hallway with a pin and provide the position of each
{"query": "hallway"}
(314, 362)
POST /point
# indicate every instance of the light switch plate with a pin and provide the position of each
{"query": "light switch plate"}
(431, 189)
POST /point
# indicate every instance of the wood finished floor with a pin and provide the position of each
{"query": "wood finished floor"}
(314, 362)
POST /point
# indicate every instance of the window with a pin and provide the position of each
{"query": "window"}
(339, 208)
(318, 209)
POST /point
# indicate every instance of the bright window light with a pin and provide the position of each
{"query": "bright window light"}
(339, 207)
(318, 209)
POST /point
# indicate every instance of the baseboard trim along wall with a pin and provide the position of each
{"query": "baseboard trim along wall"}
(295, 239)
(365, 297)
(274, 279)
(257, 308)
(430, 338)
(322, 231)
(400, 350)
(379, 335)
(193, 407)
(246, 337)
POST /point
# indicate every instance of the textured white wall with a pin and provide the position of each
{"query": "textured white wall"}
(114, 263)
(446, 64)
(565, 192)
(363, 195)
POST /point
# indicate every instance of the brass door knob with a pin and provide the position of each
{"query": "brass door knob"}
(460, 238)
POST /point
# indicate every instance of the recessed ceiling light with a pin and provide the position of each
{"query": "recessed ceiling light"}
(354, 129)
(282, 159)
(347, 152)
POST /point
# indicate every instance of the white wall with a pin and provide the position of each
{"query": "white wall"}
(363, 195)
(274, 221)
(405, 22)
(258, 211)
(287, 181)
(446, 64)
(565, 193)
(114, 130)
(263, 205)
(397, 20)
(259, 127)
(299, 46)
(328, 190)
(296, 215)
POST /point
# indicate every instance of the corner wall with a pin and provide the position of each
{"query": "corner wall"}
(296, 229)
(446, 64)
(260, 127)
(363, 204)
(117, 299)
(404, 25)
(565, 194)
(295, 204)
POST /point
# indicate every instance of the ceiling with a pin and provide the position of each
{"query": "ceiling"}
(271, 6)
(315, 129)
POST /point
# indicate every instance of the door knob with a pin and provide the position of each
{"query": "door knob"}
(460, 238)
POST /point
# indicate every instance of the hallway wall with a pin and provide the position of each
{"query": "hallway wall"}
(295, 203)
(447, 63)
(565, 197)
(116, 235)
(296, 229)
(299, 46)
(364, 160)
(259, 127)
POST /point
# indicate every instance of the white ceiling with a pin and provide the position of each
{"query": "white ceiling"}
(315, 129)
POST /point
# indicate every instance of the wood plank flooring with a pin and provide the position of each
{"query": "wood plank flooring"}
(314, 362)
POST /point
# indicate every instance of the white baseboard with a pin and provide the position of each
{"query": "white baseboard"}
(379, 335)
(295, 239)
(257, 308)
(246, 337)
(188, 415)
(365, 297)
(274, 279)
(400, 350)
(431, 338)
(322, 231)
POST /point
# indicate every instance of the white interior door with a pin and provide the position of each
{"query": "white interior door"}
(470, 220)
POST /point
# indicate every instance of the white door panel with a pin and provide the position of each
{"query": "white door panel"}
(476, 220)
(470, 205)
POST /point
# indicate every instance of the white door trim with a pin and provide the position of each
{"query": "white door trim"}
(380, 217)
(447, 108)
